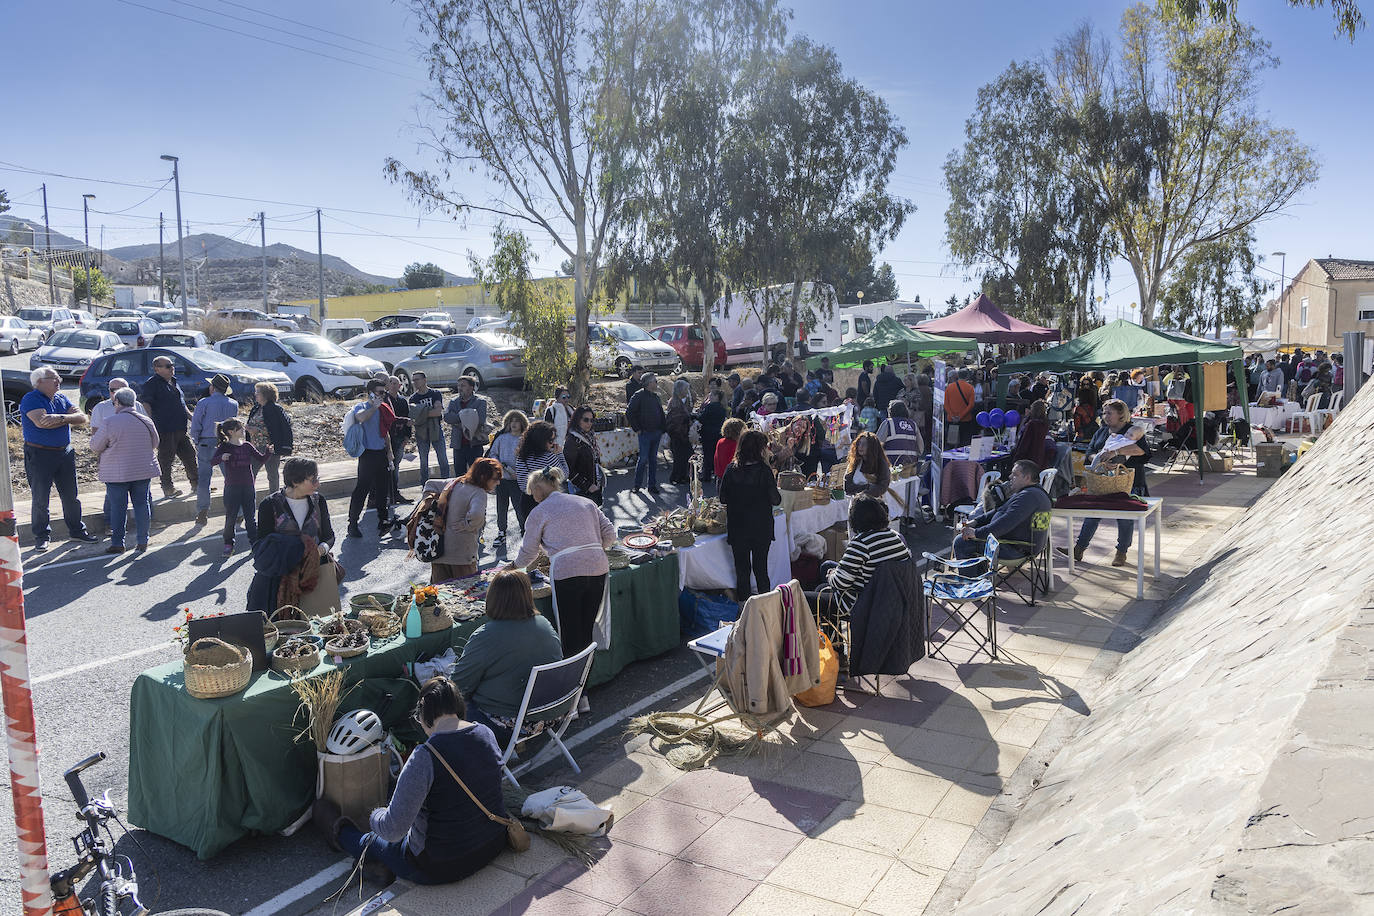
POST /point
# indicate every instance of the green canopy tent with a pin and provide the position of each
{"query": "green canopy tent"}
(890, 338)
(1125, 345)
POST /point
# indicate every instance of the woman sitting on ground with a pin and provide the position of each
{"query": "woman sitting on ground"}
(498, 658)
(868, 471)
(432, 832)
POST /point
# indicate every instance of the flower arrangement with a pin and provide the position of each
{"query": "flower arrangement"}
(181, 632)
(424, 595)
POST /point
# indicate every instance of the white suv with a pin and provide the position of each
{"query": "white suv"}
(315, 365)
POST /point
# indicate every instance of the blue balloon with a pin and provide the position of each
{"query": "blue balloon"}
(998, 418)
(1013, 418)
(984, 419)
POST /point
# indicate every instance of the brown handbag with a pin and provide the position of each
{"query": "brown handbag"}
(516, 836)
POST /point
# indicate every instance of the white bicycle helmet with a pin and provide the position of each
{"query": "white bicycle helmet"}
(354, 732)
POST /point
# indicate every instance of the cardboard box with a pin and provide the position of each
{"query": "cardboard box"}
(836, 539)
(1270, 460)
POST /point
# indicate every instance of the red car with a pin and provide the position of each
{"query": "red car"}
(686, 340)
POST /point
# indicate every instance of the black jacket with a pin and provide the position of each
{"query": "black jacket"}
(887, 624)
(581, 465)
(645, 413)
(712, 417)
(749, 493)
(886, 388)
(279, 433)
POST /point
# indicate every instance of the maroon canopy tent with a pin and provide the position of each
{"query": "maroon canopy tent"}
(983, 321)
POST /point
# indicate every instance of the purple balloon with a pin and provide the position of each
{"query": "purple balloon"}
(1013, 418)
(984, 419)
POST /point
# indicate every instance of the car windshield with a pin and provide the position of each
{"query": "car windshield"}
(35, 314)
(119, 327)
(313, 347)
(174, 340)
(79, 340)
(627, 332)
(212, 360)
(436, 316)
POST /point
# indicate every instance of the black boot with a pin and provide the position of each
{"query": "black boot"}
(330, 820)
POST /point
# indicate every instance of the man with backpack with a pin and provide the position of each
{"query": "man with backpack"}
(366, 437)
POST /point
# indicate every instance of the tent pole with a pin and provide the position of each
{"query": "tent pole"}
(1198, 425)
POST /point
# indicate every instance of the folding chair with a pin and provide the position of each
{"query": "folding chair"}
(1309, 416)
(551, 696)
(950, 590)
(1033, 564)
(1327, 414)
(988, 479)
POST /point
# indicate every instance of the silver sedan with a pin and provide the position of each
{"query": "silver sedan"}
(485, 358)
(17, 334)
(70, 352)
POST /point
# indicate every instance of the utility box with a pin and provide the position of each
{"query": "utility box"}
(1269, 459)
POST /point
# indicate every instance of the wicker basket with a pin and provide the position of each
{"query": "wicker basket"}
(819, 496)
(617, 559)
(332, 649)
(1116, 480)
(383, 624)
(435, 617)
(791, 480)
(681, 538)
(288, 612)
(270, 635)
(214, 668)
(715, 527)
(370, 601)
(289, 666)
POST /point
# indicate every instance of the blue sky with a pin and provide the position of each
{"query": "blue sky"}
(290, 130)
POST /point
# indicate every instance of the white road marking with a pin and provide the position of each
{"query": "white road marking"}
(87, 666)
(308, 886)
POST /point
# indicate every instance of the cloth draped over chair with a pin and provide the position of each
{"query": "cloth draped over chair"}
(887, 624)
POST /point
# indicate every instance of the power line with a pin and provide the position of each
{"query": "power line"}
(283, 44)
(139, 204)
(308, 25)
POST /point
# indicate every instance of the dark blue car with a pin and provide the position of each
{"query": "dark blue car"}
(194, 369)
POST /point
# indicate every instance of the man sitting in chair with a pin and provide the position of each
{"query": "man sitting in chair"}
(1011, 521)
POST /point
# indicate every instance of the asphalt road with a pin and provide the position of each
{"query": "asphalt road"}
(95, 622)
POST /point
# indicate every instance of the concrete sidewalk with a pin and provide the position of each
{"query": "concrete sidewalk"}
(882, 804)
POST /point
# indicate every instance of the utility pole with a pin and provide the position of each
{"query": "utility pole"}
(319, 236)
(181, 252)
(161, 265)
(47, 247)
(262, 225)
(86, 254)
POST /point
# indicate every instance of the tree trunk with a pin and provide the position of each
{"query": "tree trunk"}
(708, 345)
(581, 377)
(792, 310)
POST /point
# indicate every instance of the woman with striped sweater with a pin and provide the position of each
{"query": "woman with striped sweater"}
(539, 449)
(871, 542)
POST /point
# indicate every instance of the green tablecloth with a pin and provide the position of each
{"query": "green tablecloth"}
(206, 772)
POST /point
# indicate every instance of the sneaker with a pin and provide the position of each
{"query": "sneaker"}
(203, 517)
(354, 531)
(40, 545)
(1119, 559)
(85, 537)
(229, 549)
(1078, 554)
(141, 548)
(115, 548)
(404, 500)
(500, 540)
(173, 493)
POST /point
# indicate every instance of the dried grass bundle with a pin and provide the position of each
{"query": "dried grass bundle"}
(320, 697)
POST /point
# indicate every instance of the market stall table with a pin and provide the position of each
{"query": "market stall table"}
(1154, 506)
(205, 773)
(1273, 417)
(709, 565)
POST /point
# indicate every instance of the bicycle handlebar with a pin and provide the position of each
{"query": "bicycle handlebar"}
(73, 778)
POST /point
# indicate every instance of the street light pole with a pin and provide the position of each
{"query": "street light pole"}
(1283, 266)
(86, 255)
(161, 266)
(181, 251)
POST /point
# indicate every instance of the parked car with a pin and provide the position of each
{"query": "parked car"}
(83, 318)
(341, 329)
(192, 368)
(615, 346)
(168, 318)
(17, 334)
(16, 385)
(315, 365)
(71, 350)
(134, 332)
(388, 322)
(391, 347)
(255, 318)
(484, 357)
(686, 340)
(477, 323)
(124, 313)
(440, 321)
(48, 318)
(180, 337)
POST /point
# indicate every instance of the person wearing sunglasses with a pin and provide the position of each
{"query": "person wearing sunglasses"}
(583, 455)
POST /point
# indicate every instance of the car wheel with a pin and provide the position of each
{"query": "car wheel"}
(622, 367)
(12, 408)
(310, 390)
(475, 376)
(404, 376)
(677, 366)
(90, 404)
(14, 347)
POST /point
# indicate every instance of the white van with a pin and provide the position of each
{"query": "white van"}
(743, 332)
(340, 329)
(838, 329)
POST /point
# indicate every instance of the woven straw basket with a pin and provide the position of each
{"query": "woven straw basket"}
(370, 601)
(819, 496)
(435, 617)
(331, 649)
(791, 480)
(1116, 480)
(289, 666)
(214, 668)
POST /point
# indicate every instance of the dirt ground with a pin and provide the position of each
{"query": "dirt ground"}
(316, 426)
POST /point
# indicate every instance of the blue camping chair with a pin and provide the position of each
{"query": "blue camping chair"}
(951, 586)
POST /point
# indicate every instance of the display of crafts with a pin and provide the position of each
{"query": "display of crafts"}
(294, 648)
(466, 598)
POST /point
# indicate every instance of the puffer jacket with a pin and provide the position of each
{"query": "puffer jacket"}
(463, 521)
(127, 446)
(887, 623)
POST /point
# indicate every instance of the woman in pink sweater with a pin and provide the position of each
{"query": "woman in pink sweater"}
(127, 445)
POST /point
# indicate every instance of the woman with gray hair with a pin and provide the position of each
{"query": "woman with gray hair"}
(127, 445)
(679, 424)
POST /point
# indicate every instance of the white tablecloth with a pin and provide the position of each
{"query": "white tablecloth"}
(818, 518)
(1275, 417)
(709, 565)
(619, 447)
(909, 489)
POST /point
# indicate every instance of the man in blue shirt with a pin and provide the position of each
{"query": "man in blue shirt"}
(1018, 519)
(205, 420)
(373, 484)
(48, 417)
(167, 408)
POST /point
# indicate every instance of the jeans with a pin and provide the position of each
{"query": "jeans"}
(176, 444)
(647, 466)
(204, 452)
(507, 492)
(751, 556)
(423, 446)
(273, 466)
(579, 601)
(463, 456)
(1125, 533)
(45, 469)
(398, 450)
(394, 857)
(373, 486)
(117, 497)
(239, 498)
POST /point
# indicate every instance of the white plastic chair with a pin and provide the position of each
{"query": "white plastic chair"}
(1047, 478)
(1327, 414)
(988, 479)
(551, 696)
(1309, 416)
